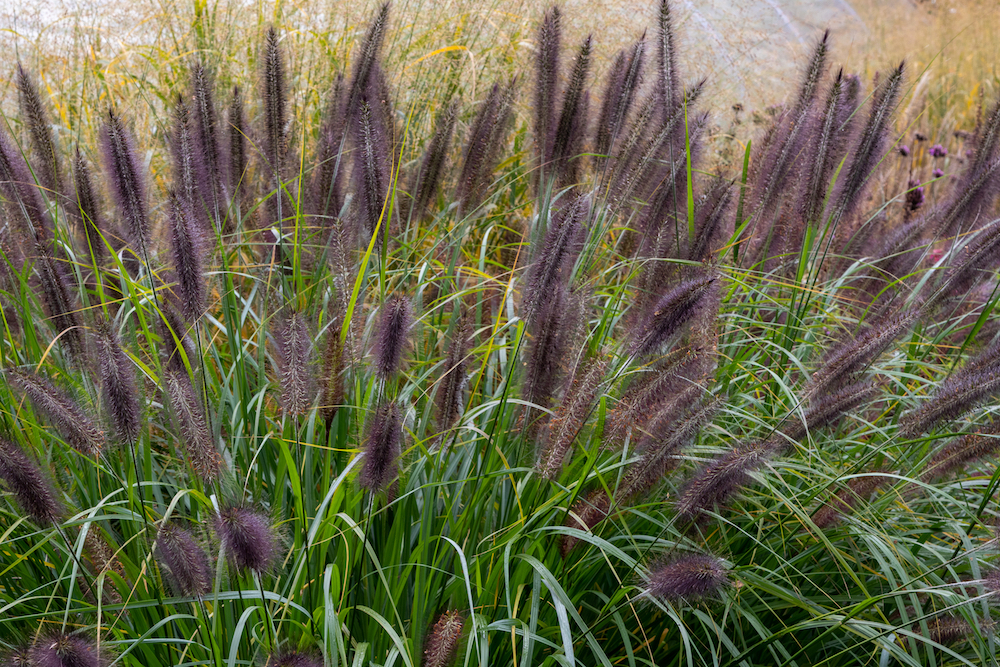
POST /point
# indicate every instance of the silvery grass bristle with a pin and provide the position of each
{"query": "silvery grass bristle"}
(546, 80)
(185, 562)
(69, 418)
(382, 449)
(119, 395)
(249, 537)
(46, 161)
(127, 181)
(687, 577)
(195, 435)
(31, 487)
(441, 646)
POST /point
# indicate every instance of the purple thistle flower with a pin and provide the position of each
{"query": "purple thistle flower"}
(68, 417)
(127, 184)
(118, 390)
(937, 173)
(914, 198)
(42, 144)
(186, 563)
(64, 651)
(31, 487)
(382, 449)
(904, 150)
(393, 331)
(248, 537)
(938, 151)
(693, 576)
(441, 646)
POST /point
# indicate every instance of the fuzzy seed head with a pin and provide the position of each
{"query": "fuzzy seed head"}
(676, 308)
(118, 390)
(393, 331)
(67, 416)
(64, 651)
(197, 439)
(127, 183)
(185, 562)
(288, 658)
(248, 536)
(31, 487)
(37, 120)
(442, 642)
(294, 347)
(689, 577)
(382, 450)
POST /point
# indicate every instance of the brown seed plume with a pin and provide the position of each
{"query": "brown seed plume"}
(441, 646)
(571, 417)
(194, 434)
(46, 163)
(385, 436)
(293, 344)
(31, 487)
(68, 417)
(118, 390)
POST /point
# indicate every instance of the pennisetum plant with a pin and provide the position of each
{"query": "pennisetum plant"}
(411, 364)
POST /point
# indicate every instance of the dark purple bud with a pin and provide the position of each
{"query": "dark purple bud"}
(904, 150)
(248, 537)
(914, 195)
(918, 136)
(938, 151)
(688, 577)
(937, 173)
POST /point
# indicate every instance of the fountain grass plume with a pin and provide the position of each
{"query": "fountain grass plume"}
(182, 151)
(187, 254)
(332, 378)
(673, 310)
(327, 181)
(197, 440)
(553, 333)
(823, 154)
(571, 416)
(67, 416)
(184, 561)
(962, 392)
(63, 650)
(46, 163)
(720, 481)
(624, 80)
(382, 449)
(687, 577)
(237, 136)
(450, 401)
(395, 320)
(58, 297)
(847, 500)
(249, 537)
(372, 170)
(546, 78)
(31, 487)
(293, 344)
(487, 136)
(368, 58)
(291, 658)
(559, 250)
(962, 450)
(274, 93)
(207, 151)
(667, 78)
(127, 183)
(118, 390)
(571, 128)
(23, 199)
(441, 646)
(89, 209)
(432, 166)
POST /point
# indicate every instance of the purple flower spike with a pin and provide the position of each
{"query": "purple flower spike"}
(915, 195)
(937, 150)
(937, 173)
(249, 537)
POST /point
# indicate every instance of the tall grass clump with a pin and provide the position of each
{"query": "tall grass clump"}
(339, 367)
